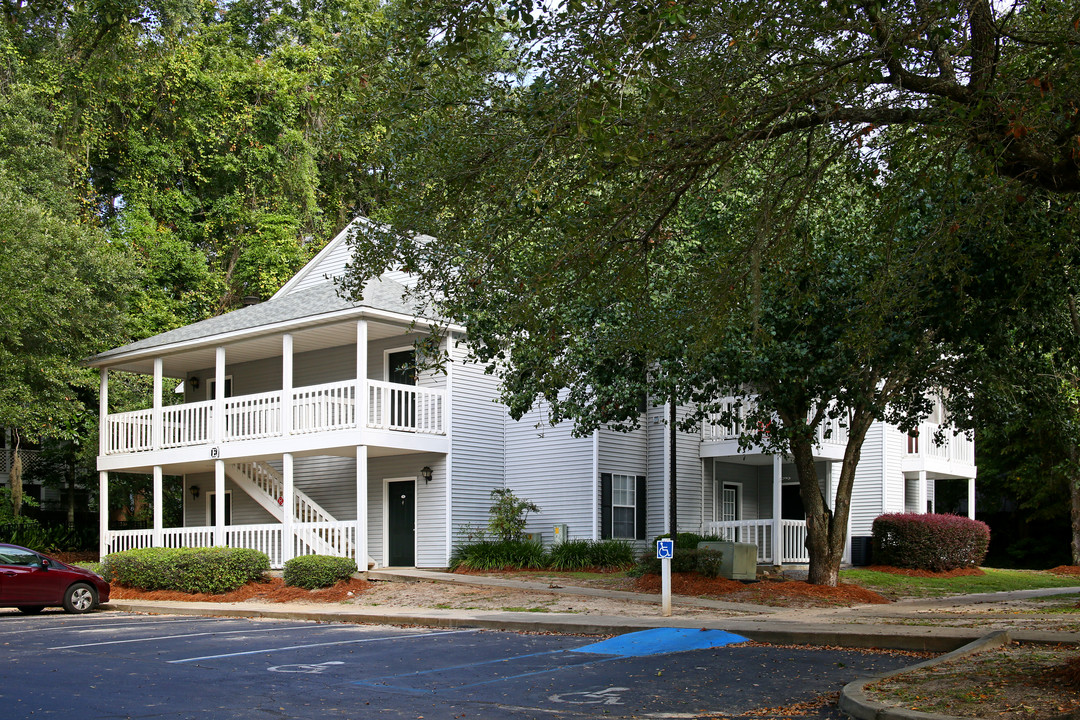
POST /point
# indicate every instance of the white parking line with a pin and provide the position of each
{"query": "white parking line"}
(185, 635)
(325, 644)
(45, 625)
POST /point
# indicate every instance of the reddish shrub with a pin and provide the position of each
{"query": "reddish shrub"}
(929, 542)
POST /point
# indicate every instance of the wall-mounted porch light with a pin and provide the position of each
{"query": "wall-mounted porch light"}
(194, 383)
(425, 472)
(195, 492)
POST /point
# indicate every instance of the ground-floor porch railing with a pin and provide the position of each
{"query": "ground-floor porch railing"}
(314, 538)
(760, 533)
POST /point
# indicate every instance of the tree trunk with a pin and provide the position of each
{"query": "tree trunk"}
(16, 479)
(1074, 502)
(826, 529)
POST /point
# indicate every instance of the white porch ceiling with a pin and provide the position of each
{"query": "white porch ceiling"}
(177, 363)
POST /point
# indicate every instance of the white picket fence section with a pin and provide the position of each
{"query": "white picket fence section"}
(252, 417)
(324, 407)
(312, 538)
(314, 409)
(760, 533)
(405, 408)
(187, 424)
(130, 431)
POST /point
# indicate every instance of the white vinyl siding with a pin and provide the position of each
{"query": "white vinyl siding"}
(867, 496)
(477, 442)
(553, 469)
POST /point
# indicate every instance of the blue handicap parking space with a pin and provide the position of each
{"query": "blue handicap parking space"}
(661, 641)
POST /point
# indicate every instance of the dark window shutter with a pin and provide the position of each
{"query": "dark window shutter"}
(605, 506)
(642, 502)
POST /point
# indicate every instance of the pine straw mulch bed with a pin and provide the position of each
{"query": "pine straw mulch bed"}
(269, 590)
(789, 593)
(1065, 570)
(1012, 682)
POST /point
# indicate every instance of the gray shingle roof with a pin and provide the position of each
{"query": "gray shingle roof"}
(379, 294)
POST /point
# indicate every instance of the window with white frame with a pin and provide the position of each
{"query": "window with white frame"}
(623, 506)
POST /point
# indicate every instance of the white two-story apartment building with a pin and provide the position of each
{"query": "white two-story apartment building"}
(302, 427)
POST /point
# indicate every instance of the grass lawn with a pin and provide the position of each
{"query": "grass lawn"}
(993, 580)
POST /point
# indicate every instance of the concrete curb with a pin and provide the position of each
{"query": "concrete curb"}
(855, 703)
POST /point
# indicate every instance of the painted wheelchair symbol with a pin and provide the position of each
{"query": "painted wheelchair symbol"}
(607, 696)
(310, 669)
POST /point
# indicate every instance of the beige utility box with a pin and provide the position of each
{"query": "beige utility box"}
(739, 561)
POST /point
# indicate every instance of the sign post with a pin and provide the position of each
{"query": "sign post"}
(665, 549)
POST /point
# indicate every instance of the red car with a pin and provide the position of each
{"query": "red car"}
(31, 582)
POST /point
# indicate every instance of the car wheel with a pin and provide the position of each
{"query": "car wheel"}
(79, 598)
(31, 609)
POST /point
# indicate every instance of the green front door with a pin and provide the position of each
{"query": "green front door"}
(401, 523)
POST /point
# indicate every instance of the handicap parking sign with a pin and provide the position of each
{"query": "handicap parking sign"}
(665, 549)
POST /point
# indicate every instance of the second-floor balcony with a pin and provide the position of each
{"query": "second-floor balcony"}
(717, 428)
(949, 448)
(305, 410)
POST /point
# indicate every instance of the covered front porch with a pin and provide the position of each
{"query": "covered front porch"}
(363, 506)
(755, 499)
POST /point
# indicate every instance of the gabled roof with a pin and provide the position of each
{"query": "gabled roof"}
(307, 301)
(328, 263)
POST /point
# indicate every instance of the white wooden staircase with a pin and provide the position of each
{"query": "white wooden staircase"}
(311, 523)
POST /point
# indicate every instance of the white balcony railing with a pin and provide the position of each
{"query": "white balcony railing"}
(315, 408)
(951, 448)
(830, 432)
(760, 533)
(321, 538)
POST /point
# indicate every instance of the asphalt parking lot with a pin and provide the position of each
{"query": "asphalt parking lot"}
(120, 665)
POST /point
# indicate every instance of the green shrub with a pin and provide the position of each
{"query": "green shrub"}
(709, 563)
(26, 532)
(318, 571)
(508, 514)
(703, 562)
(500, 555)
(612, 554)
(580, 554)
(194, 570)
(929, 542)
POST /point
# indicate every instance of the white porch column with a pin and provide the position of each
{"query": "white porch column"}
(103, 513)
(971, 498)
(219, 398)
(103, 412)
(157, 424)
(920, 494)
(361, 374)
(157, 505)
(288, 505)
(286, 384)
(219, 501)
(777, 529)
(361, 508)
